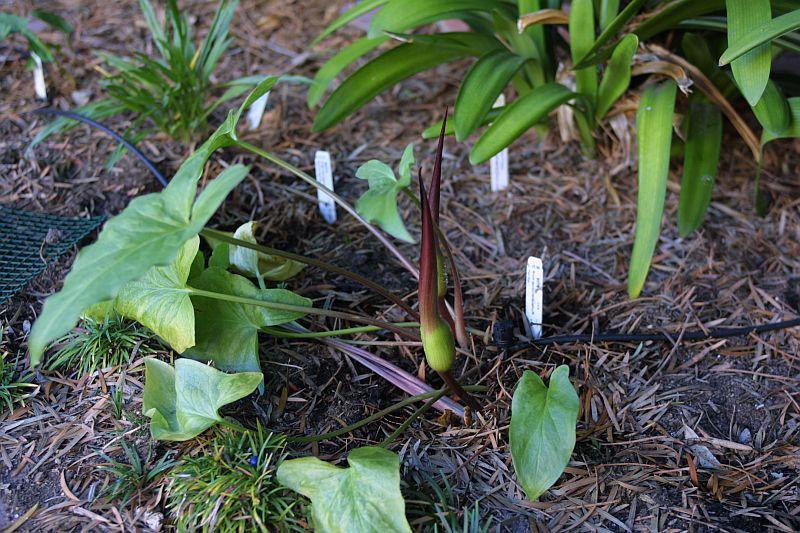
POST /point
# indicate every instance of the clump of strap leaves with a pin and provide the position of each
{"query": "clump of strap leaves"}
(147, 265)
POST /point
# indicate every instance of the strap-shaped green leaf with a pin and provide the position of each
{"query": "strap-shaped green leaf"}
(402, 15)
(667, 17)
(703, 146)
(542, 432)
(328, 72)
(772, 110)
(184, 401)
(609, 9)
(654, 137)
(378, 75)
(601, 48)
(760, 35)
(617, 76)
(517, 118)
(792, 130)
(363, 498)
(358, 9)
(751, 69)
(581, 39)
(482, 84)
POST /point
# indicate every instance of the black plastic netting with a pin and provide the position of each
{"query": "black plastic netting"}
(30, 242)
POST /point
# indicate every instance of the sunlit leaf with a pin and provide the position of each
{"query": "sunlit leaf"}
(160, 300)
(359, 9)
(654, 137)
(149, 232)
(703, 146)
(184, 401)
(362, 498)
(581, 39)
(542, 432)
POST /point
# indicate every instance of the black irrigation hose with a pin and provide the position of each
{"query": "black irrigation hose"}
(111, 133)
(715, 333)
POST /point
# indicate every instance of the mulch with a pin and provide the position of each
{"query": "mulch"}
(675, 436)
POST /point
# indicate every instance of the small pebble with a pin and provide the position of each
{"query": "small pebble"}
(745, 436)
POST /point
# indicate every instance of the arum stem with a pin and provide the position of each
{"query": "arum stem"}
(222, 236)
(460, 391)
(336, 198)
(300, 309)
(277, 332)
(416, 414)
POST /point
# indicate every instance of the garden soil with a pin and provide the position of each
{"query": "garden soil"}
(672, 436)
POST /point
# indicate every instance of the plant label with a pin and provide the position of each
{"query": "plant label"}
(534, 295)
(498, 165)
(39, 86)
(256, 112)
(322, 167)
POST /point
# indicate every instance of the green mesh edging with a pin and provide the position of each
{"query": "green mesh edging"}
(29, 242)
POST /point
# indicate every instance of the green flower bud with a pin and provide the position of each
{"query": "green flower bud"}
(439, 346)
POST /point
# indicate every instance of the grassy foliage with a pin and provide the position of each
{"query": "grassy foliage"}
(134, 476)
(233, 487)
(13, 387)
(99, 344)
(173, 93)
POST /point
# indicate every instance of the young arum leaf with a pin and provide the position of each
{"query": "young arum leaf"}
(160, 300)
(362, 498)
(772, 110)
(617, 76)
(149, 232)
(328, 72)
(182, 402)
(253, 263)
(751, 69)
(760, 35)
(792, 130)
(379, 74)
(517, 118)
(227, 332)
(703, 146)
(482, 84)
(401, 15)
(358, 9)
(654, 137)
(542, 432)
(379, 204)
(581, 39)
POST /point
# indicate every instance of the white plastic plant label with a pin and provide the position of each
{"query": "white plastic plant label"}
(534, 295)
(39, 86)
(498, 165)
(324, 175)
(256, 112)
